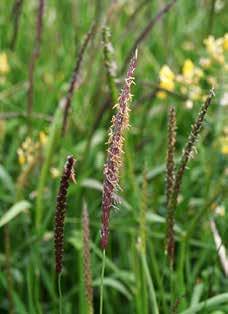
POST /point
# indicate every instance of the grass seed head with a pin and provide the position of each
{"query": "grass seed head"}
(120, 123)
(61, 211)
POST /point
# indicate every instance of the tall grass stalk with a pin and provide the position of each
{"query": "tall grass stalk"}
(86, 260)
(120, 123)
(53, 137)
(16, 14)
(153, 299)
(68, 174)
(66, 103)
(102, 283)
(60, 294)
(35, 55)
(110, 64)
(186, 156)
(170, 179)
(145, 32)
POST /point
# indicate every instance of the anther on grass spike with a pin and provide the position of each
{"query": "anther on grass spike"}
(68, 174)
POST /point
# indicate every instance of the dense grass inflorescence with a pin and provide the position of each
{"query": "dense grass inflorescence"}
(144, 230)
(61, 211)
(120, 122)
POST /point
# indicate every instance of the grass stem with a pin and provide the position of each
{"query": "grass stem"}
(150, 284)
(102, 282)
(60, 294)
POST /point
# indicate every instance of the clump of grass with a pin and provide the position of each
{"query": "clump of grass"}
(186, 156)
(86, 260)
(35, 55)
(74, 78)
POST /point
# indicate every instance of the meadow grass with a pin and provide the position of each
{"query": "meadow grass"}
(137, 275)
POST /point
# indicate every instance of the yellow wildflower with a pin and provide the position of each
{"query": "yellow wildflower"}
(29, 150)
(4, 66)
(26, 145)
(168, 85)
(161, 95)
(190, 72)
(43, 138)
(225, 42)
(188, 69)
(224, 143)
(166, 77)
(21, 156)
(215, 48)
(55, 173)
(166, 74)
(224, 149)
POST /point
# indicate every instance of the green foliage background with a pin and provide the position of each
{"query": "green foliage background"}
(204, 186)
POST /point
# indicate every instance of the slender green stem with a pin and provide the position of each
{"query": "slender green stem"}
(211, 17)
(60, 294)
(102, 283)
(150, 284)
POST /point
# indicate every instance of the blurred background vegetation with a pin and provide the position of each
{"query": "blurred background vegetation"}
(179, 60)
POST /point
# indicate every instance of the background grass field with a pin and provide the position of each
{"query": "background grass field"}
(27, 278)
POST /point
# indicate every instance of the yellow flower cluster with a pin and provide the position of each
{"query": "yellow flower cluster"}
(166, 77)
(28, 151)
(217, 47)
(188, 79)
(193, 79)
(224, 142)
(4, 66)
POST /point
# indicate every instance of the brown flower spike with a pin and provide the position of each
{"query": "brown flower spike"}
(115, 146)
(170, 178)
(68, 174)
(74, 78)
(186, 156)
